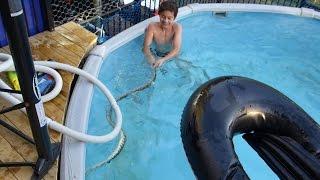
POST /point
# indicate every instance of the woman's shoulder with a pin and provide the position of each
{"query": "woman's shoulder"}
(153, 25)
(177, 26)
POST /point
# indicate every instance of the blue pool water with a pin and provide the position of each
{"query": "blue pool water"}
(279, 50)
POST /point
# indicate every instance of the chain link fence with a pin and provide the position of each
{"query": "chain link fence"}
(107, 18)
(81, 10)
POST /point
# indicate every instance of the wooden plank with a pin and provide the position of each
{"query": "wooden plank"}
(60, 101)
(5, 174)
(85, 34)
(67, 77)
(17, 118)
(3, 50)
(65, 42)
(53, 172)
(22, 172)
(73, 37)
(6, 49)
(72, 34)
(46, 53)
(20, 121)
(82, 33)
(35, 49)
(7, 155)
(57, 52)
(53, 112)
(25, 150)
(22, 147)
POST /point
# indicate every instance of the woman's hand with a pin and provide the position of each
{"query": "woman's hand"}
(158, 63)
(151, 61)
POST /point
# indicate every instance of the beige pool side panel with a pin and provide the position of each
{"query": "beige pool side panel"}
(73, 155)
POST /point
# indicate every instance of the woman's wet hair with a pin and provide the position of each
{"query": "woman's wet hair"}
(169, 6)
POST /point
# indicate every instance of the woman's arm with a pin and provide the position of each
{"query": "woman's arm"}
(176, 42)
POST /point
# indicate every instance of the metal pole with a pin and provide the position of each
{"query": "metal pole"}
(15, 26)
(46, 6)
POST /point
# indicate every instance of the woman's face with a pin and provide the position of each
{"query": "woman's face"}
(166, 18)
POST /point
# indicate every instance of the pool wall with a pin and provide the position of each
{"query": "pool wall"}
(74, 152)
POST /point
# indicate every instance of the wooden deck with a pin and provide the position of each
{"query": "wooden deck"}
(69, 44)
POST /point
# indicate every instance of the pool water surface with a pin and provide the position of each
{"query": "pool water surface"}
(279, 50)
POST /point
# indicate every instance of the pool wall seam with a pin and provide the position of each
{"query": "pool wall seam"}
(73, 151)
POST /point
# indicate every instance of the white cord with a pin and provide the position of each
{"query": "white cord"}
(65, 130)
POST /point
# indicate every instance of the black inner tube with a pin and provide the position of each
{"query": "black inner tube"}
(226, 106)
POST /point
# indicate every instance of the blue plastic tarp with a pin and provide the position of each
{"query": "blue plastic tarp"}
(3, 37)
(34, 16)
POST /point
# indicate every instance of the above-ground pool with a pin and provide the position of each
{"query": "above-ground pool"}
(277, 49)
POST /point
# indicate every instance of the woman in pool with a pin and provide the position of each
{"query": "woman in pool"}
(166, 34)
